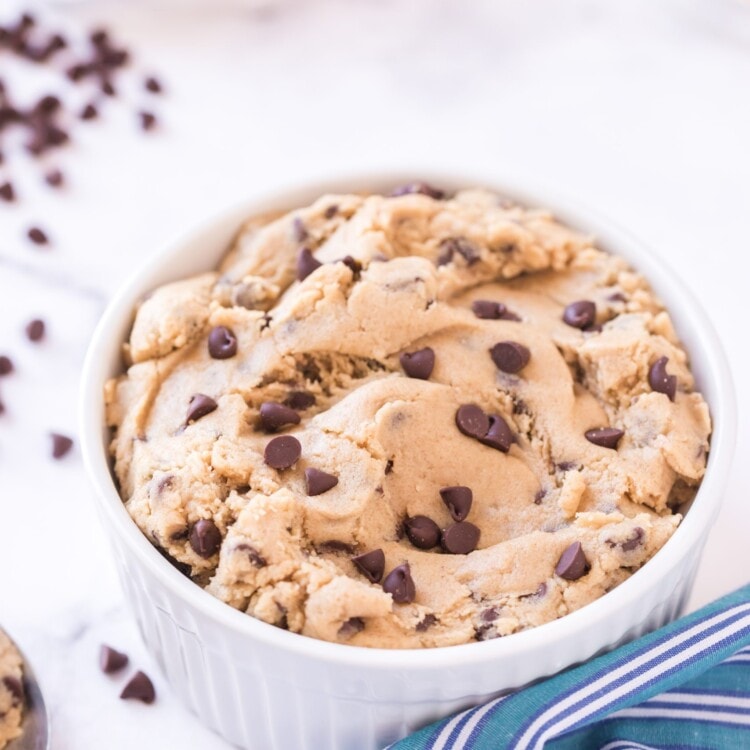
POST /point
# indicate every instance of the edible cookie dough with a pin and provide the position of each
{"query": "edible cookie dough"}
(11, 691)
(407, 421)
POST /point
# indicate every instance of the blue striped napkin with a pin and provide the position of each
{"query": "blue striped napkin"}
(685, 686)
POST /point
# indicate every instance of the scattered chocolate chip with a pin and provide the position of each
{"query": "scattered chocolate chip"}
(400, 585)
(457, 245)
(111, 661)
(199, 406)
(351, 627)
(222, 343)
(274, 416)
(6, 365)
(299, 229)
(538, 594)
(35, 330)
(148, 120)
(15, 688)
(331, 211)
(472, 421)
(388, 466)
(617, 297)
(426, 623)
(205, 538)
(299, 400)
(319, 482)
(253, 555)
(509, 315)
(54, 178)
(335, 545)
(660, 381)
(460, 538)
(418, 364)
(37, 236)
(510, 356)
(566, 465)
(7, 193)
(499, 435)
(306, 263)
(109, 89)
(371, 564)
(89, 112)
(635, 540)
(180, 535)
(139, 688)
(605, 437)
(353, 265)
(489, 615)
(422, 531)
(153, 85)
(487, 309)
(61, 445)
(572, 563)
(458, 501)
(539, 496)
(418, 187)
(282, 452)
(581, 314)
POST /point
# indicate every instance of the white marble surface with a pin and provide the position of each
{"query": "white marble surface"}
(640, 109)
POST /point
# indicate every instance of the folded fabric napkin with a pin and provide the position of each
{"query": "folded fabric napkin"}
(684, 686)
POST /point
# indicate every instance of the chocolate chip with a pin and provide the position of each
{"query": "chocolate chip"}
(509, 315)
(319, 482)
(199, 406)
(418, 364)
(388, 466)
(109, 89)
(147, 120)
(660, 381)
(306, 263)
(635, 540)
(299, 400)
(89, 112)
(222, 343)
(617, 297)
(418, 187)
(299, 229)
(572, 563)
(353, 265)
(351, 627)
(153, 85)
(422, 531)
(7, 193)
(37, 236)
(489, 615)
(61, 445)
(331, 211)
(139, 688)
(499, 435)
(605, 437)
(460, 538)
(539, 496)
(581, 314)
(15, 688)
(6, 365)
(335, 545)
(487, 309)
(54, 178)
(510, 356)
(541, 590)
(400, 585)
(2, 407)
(274, 416)
(282, 452)
(371, 564)
(457, 245)
(458, 501)
(472, 421)
(426, 623)
(205, 538)
(111, 661)
(253, 555)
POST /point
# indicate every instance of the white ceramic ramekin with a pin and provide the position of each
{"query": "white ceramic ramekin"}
(264, 688)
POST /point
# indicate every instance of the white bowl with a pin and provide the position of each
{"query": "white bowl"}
(265, 688)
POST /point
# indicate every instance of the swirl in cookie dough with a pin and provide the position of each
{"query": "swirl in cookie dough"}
(407, 421)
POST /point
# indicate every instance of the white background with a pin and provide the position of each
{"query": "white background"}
(638, 108)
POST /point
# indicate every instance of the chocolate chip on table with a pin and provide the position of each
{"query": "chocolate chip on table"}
(139, 688)
(498, 435)
(61, 445)
(89, 112)
(299, 400)
(510, 356)
(147, 120)
(54, 178)
(153, 85)
(572, 563)
(581, 314)
(319, 482)
(458, 500)
(351, 627)
(205, 538)
(37, 236)
(400, 585)
(472, 421)
(6, 365)
(422, 531)
(274, 416)
(460, 538)
(222, 343)
(660, 381)
(418, 187)
(282, 452)
(7, 193)
(306, 263)
(371, 564)
(110, 660)
(418, 364)
(200, 405)
(605, 437)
